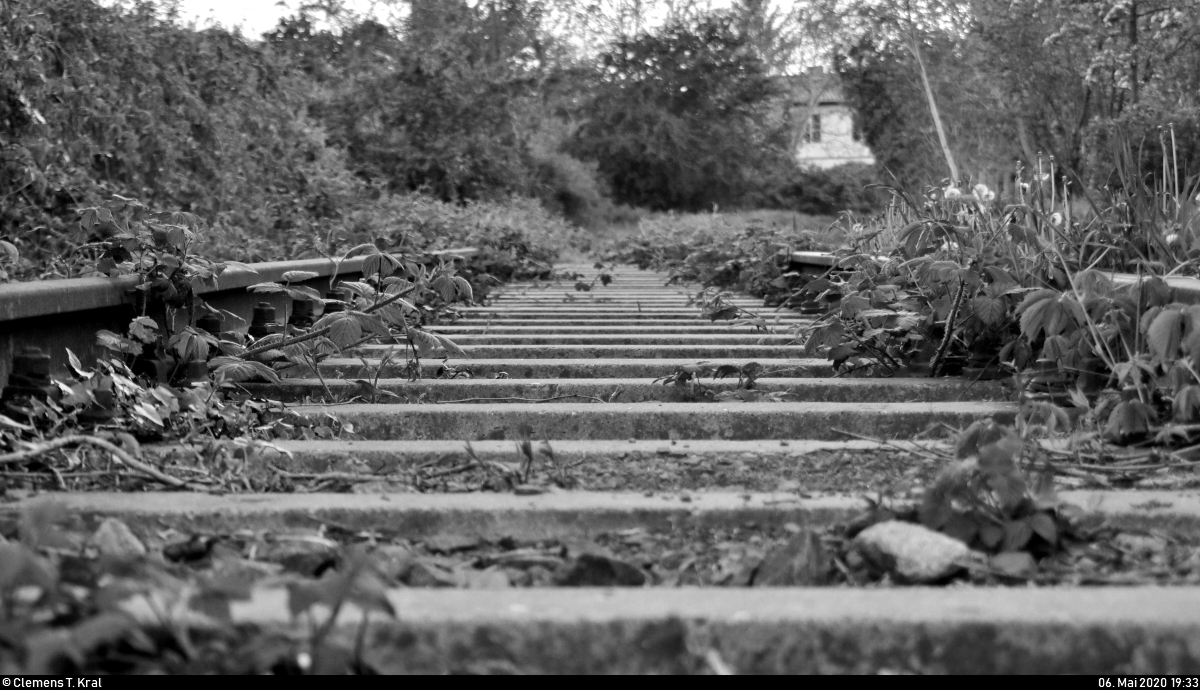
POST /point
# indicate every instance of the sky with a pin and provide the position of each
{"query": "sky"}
(255, 17)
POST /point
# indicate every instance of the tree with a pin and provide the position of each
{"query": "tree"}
(678, 118)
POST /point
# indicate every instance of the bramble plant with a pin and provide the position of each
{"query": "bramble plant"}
(726, 251)
(168, 378)
(960, 282)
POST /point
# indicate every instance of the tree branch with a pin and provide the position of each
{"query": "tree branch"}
(123, 457)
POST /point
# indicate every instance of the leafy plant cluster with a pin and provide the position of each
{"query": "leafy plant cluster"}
(746, 253)
(182, 118)
(1014, 523)
(986, 501)
(176, 371)
(68, 606)
(985, 289)
(958, 282)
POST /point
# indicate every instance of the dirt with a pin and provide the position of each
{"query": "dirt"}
(683, 556)
(671, 468)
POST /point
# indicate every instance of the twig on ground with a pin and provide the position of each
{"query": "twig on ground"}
(123, 457)
(337, 476)
(457, 469)
(916, 447)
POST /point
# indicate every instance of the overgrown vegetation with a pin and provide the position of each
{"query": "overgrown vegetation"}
(743, 252)
(963, 283)
(174, 373)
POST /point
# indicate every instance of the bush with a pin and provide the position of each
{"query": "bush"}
(743, 251)
(207, 123)
(199, 121)
(1142, 136)
(824, 192)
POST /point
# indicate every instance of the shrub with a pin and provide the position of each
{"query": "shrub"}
(742, 251)
(824, 192)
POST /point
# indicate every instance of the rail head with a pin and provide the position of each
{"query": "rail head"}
(52, 297)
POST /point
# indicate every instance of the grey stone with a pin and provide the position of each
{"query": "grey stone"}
(450, 543)
(394, 561)
(802, 562)
(426, 574)
(596, 570)
(489, 578)
(114, 538)
(1140, 543)
(303, 555)
(911, 552)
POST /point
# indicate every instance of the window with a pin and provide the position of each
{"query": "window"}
(812, 133)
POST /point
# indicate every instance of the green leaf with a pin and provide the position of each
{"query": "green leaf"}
(177, 237)
(1017, 534)
(379, 265)
(1056, 348)
(1186, 404)
(1014, 563)
(1045, 527)
(1165, 334)
(9, 251)
(371, 323)
(393, 313)
(1154, 291)
(1129, 419)
(464, 288)
(304, 293)
(990, 310)
(344, 328)
(395, 284)
(961, 526)
(424, 343)
(20, 566)
(147, 413)
(299, 276)
(987, 434)
(357, 288)
(117, 343)
(77, 366)
(144, 329)
(234, 369)
(724, 314)
(841, 353)
(267, 287)
(88, 218)
(853, 304)
(450, 347)
(189, 345)
(992, 535)
(1002, 281)
(445, 287)
(999, 455)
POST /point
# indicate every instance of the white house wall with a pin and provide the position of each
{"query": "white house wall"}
(837, 145)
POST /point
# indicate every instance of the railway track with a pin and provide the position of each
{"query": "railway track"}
(620, 467)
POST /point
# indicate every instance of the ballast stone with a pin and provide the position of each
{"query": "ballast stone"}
(911, 552)
(114, 538)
